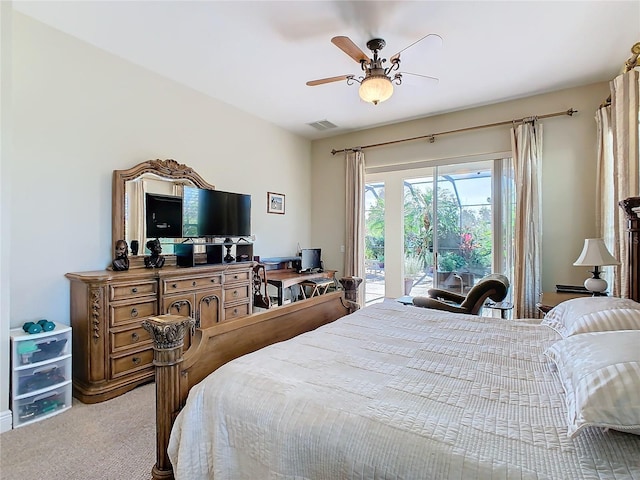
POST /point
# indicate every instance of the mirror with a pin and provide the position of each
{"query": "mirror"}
(154, 176)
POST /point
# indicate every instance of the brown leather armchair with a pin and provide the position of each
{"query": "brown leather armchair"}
(494, 286)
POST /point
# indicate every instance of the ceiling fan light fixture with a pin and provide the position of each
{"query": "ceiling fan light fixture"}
(375, 89)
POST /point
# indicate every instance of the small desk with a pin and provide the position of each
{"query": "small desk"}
(286, 278)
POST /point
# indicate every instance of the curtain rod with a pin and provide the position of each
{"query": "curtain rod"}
(432, 136)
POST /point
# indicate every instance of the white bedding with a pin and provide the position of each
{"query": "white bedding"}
(394, 392)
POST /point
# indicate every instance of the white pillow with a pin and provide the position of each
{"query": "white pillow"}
(593, 314)
(600, 373)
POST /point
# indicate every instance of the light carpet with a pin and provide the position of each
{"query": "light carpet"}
(112, 440)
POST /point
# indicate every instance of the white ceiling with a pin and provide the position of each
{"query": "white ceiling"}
(258, 55)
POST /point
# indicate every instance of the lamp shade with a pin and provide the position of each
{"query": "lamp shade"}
(595, 254)
(375, 89)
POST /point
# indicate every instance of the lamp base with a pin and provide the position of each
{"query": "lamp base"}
(597, 286)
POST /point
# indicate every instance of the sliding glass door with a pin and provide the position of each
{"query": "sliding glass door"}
(374, 285)
(454, 226)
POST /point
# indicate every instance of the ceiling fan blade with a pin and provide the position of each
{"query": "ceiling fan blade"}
(347, 46)
(431, 80)
(322, 81)
(434, 37)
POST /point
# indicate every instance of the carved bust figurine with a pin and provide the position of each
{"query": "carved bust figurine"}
(155, 260)
(121, 256)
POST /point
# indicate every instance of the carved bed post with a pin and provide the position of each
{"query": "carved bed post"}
(168, 333)
(630, 207)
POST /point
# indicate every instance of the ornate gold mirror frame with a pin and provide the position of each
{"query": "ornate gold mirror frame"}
(165, 169)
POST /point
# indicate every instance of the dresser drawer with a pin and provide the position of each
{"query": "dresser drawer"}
(239, 292)
(123, 339)
(236, 311)
(177, 285)
(131, 363)
(124, 291)
(123, 314)
(236, 277)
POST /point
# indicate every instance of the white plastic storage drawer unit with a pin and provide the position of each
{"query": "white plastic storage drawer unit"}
(40, 374)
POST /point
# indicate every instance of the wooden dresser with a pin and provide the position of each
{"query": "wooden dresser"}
(112, 353)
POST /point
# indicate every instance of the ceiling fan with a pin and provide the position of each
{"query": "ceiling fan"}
(376, 85)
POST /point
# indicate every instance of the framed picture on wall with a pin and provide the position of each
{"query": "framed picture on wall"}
(275, 203)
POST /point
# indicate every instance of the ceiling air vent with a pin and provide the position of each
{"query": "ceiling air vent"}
(322, 125)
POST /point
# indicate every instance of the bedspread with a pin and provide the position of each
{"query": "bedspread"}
(394, 392)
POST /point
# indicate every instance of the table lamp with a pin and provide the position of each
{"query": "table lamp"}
(595, 254)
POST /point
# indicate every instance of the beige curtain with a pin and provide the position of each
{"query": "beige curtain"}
(507, 233)
(526, 144)
(618, 170)
(354, 248)
(608, 222)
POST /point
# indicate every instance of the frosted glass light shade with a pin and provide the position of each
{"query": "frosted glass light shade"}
(375, 89)
(595, 254)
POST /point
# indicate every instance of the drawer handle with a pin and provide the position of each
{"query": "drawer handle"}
(213, 280)
(136, 360)
(134, 312)
(235, 293)
(235, 276)
(47, 368)
(193, 284)
(235, 311)
(175, 285)
(134, 290)
(135, 337)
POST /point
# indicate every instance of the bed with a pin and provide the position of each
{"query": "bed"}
(393, 391)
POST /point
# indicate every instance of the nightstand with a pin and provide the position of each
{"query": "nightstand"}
(548, 300)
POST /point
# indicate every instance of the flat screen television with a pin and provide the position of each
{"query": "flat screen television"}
(163, 215)
(214, 213)
(310, 260)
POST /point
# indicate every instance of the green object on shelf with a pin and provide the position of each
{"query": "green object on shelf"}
(32, 328)
(46, 325)
(28, 346)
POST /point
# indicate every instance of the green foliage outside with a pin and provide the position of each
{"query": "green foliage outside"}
(413, 265)
(464, 237)
(374, 239)
(450, 261)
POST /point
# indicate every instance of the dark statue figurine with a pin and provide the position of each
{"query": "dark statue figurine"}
(155, 260)
(121, 258)
(134, 247)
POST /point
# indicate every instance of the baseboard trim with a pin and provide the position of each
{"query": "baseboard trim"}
(6, 421)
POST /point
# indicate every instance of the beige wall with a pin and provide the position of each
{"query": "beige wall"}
(78, 114)
(568, 170)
